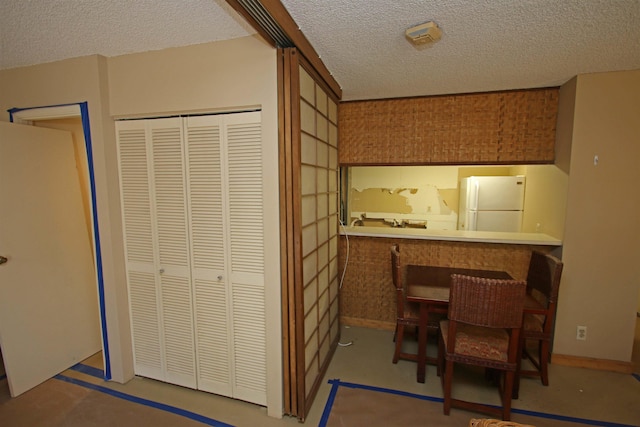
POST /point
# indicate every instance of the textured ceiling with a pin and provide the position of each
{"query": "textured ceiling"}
(37, 31)
(486, 44)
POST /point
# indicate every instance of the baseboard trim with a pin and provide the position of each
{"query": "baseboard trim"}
(591, 363)
(367, 323)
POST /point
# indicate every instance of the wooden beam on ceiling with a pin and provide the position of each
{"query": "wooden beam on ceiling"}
(277, 22)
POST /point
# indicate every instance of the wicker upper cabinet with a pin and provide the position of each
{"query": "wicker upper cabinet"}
(511, 127)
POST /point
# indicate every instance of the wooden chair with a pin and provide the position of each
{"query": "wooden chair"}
(407, 314)
(483, 329)
(543, 284)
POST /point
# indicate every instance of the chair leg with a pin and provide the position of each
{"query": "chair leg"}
(448, 378)
(399, 336)
(506, 395)
(544, 362)
(440, 360)
(521, 354)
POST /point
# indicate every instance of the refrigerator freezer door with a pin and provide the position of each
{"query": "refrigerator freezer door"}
(498, 221)
(493, 193)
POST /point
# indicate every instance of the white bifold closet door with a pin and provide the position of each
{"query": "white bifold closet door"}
(192, 209)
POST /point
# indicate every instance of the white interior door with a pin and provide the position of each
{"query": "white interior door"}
(48, 299)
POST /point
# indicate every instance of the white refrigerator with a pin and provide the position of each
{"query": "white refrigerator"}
(491, 203)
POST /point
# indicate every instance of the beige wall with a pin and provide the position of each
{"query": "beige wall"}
(601, 276)
(74, 125)
(546, 200)
(222, 76)
(209, 77)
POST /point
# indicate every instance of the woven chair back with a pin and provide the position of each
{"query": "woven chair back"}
(544, 275)
(485, 302)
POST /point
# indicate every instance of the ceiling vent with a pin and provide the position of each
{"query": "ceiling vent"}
(424, 33)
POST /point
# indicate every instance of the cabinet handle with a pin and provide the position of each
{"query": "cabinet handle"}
(220, 277)
(161, 270)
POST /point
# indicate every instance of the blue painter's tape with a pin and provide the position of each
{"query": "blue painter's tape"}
(84, 112)
(329, 404)
(89, 370)
(390, 391)
(150, 403)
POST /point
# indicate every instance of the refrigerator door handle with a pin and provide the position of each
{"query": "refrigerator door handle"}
(473, 221)
(475, 194)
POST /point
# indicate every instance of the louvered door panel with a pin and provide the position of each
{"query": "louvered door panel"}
(147, 347)
(193, 212)
(169, 192)
(249, 343)
(205, 193)
(212, 334)
(244, 158)
(207, 243)
(173, 250)
(246, 231)
(139, 248)
(135, 195)
(177, 324)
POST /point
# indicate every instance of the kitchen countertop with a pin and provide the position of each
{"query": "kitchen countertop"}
(453, 235)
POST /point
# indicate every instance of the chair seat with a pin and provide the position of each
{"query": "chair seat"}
(476, 341)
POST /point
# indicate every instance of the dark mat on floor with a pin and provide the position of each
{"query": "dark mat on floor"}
(58, 403)
(358, 405)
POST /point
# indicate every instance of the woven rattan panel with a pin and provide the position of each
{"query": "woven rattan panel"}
(367, 297)
(486, 128)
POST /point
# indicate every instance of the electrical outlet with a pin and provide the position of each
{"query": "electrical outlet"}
(581, 333)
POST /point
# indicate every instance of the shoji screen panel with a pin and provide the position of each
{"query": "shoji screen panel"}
(309, 218)
(319, 226)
